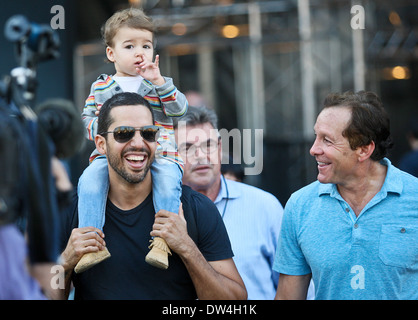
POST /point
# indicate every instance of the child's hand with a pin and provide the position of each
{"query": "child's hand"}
(97, 111)
(150, 71)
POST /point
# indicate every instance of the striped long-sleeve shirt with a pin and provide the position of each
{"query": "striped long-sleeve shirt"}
(166, 102)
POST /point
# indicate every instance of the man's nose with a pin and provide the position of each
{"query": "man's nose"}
(137, 139)
(199, 154)
(315, 149)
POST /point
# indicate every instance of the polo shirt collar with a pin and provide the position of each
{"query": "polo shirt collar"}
(392, 184)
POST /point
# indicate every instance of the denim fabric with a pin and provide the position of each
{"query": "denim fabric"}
(166, 185)
(93, 187)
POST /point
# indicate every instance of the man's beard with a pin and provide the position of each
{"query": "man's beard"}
(116, 162)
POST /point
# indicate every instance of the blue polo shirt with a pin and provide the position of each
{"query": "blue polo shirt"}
(372, 256)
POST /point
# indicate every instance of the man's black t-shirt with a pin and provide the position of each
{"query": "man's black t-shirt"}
(126, 275)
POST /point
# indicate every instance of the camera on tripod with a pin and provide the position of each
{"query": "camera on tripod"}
(30, 136)
(34, 43)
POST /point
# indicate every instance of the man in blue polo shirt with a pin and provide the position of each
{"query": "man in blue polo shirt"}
(355, 230)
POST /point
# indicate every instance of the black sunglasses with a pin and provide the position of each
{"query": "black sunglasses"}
(124, 134)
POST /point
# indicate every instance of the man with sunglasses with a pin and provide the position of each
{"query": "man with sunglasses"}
(201, 264)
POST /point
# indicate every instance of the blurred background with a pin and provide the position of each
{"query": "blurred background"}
(260, 64)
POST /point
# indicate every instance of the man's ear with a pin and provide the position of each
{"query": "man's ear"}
(364, 152)
(109, 54)
(100, 144)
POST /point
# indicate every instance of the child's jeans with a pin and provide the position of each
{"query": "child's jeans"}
(93, 188)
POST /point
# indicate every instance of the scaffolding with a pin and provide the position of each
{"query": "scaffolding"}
(273, 74)
(290, 55)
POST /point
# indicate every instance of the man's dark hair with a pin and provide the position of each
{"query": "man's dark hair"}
(369, 121)
(120, 99)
